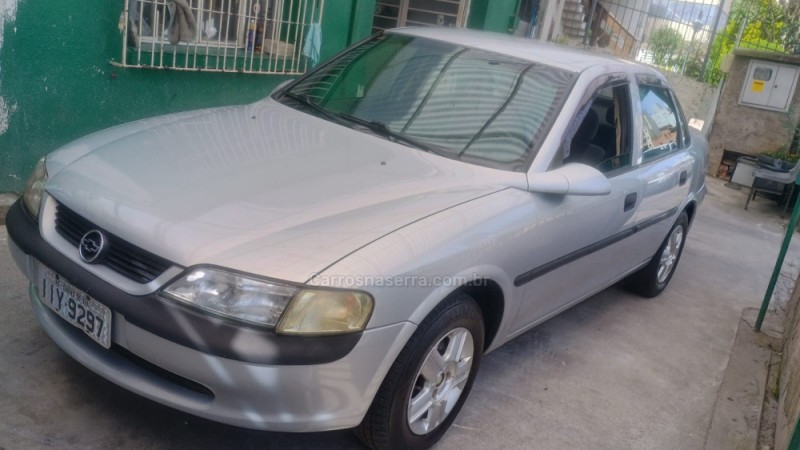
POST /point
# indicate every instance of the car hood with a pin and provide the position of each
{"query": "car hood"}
(261, 188)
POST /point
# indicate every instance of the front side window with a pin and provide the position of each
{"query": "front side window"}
(602, 140)
(463, 103)
(660, 124)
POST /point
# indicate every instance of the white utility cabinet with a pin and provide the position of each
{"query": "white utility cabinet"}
(769, 85)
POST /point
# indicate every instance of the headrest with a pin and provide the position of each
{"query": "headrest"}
(610, 115)
(589, 126)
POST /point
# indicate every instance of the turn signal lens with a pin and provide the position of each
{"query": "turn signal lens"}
(315, 311)
(32, 197)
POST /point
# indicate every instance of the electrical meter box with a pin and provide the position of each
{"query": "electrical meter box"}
(769, 85)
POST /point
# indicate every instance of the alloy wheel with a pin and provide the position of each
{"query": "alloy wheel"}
(670, 254)
(440, 381)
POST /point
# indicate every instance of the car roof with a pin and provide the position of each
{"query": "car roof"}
(574, 60)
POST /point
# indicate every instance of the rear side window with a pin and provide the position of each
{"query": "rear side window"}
(661, 129)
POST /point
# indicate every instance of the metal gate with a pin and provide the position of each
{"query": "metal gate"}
(675, 35)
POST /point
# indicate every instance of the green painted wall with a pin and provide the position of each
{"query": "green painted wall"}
(57, 83)
(493, 15)
(56, 80)
(362, 20)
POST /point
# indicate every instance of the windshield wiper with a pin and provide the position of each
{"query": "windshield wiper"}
(382, 129)
(303, 99)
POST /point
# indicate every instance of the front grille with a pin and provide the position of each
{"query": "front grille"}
(124, 258)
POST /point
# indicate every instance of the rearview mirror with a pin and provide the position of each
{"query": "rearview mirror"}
(573, 179)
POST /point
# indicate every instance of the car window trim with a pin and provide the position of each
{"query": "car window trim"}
(524, 168)
(621, 171)
(687, 136)
(611, 80)
(277, 94)
(338, 83)
(683, 141)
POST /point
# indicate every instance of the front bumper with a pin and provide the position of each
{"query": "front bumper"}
(276, 397)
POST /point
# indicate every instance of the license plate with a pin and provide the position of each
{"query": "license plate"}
(75, 307)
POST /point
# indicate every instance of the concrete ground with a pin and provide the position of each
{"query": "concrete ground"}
(6, 200)
(615, 372)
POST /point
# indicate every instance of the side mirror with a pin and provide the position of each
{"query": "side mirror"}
(573, 179)
(282, 85)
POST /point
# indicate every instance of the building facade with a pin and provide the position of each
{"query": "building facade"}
(72, 67)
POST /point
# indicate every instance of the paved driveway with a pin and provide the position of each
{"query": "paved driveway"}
(617, 371)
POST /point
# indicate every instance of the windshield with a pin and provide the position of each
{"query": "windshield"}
(459, 102)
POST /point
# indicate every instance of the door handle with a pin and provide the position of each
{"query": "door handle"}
(630, 201)
(684, 176)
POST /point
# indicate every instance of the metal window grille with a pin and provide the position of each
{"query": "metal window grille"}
(249, 36)
(399, 13)
(675, 35)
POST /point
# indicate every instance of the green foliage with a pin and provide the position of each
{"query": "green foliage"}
(694, 68)
(724, 43)
(790, 153)
(695, 56)
(794, 146)
(791, 30)
(665, 44)
(762, 44)
(785, 155)
(764, 24)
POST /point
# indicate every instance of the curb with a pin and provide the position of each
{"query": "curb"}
(736, 419)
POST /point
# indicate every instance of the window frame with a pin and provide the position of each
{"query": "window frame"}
(404, 6)
(215, 44)
(613, 80)
(683, 140)
(270, 40)
(684, 124)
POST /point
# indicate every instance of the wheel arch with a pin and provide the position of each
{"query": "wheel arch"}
(489, 296)
(690, 210)
(491, 291)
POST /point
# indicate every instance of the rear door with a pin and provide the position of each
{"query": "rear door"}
(664, 163)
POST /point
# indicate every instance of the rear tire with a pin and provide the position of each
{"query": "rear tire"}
(429, 381)
(653, 278)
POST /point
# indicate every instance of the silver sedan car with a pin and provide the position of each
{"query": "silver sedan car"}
(342, 253)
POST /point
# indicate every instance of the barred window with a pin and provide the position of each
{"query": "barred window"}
(252, 36)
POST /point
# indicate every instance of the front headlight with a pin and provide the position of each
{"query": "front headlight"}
(294, 310)
(231, 295)
(32, 198)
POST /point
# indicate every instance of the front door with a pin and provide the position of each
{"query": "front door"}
(582, 241)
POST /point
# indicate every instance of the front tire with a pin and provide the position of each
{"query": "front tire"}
(429, 381)
(653, 278)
